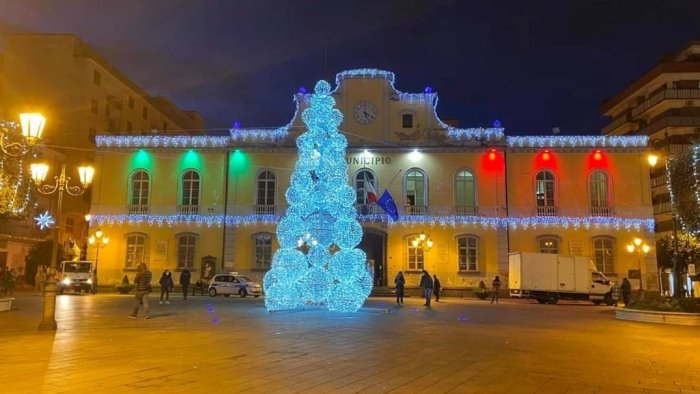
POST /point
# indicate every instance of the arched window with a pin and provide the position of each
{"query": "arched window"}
(600, 196)
(186, 243)
(138, 200)
(544, 193)
(415, 253)
(262, 247)
(363, 179)
(465, 196)
(468, 253)
(604, 252)
(190, 193)
(548, 244)
(416, 196)
(135, 250)
(265, 199)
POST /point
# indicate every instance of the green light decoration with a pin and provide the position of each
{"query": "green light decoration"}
(318, 262)
(141, 160)
(191, 159)
(239, 162)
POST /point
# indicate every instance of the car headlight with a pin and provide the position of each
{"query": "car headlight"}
(89, 281)
(66, 281)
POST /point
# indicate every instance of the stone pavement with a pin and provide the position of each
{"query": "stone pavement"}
(234, 345)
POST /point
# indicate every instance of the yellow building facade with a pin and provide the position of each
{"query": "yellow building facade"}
(466, 196)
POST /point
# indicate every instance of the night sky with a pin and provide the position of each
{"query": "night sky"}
(532, 64)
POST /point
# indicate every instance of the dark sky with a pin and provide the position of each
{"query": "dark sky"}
(531, 64)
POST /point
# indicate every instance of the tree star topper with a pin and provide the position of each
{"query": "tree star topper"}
(44, 220)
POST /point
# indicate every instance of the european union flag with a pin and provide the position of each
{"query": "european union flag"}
(386, 202)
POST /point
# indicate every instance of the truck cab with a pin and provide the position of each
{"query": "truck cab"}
(78, 276)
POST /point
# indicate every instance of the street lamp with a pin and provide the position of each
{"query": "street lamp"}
(61, 184)
(32, 126)
(422, 241)
(638, 246)
(99, 240)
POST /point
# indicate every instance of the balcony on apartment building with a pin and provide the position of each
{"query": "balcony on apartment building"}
(618, 122)
(675, 117)
(663, 95)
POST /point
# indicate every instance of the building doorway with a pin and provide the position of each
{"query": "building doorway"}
(374, 245)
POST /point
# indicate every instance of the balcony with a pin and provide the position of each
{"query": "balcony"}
(368, 209)
(415, 210)
(138, 209)
(616, 123)
(546, 211)
(265, 209)
(466, 210)
(602, 211)
(188, 209)
(667, 94)
(663, 207)
(670, 121)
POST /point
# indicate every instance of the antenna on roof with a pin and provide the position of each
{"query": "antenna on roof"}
(555, 130)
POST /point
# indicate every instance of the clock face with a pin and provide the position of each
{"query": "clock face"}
(365, 113)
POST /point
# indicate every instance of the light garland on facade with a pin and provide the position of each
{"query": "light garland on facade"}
(161, 141)
(404, 221)
(372, 73)
(574, 141)
(478, 133)
(696, 161)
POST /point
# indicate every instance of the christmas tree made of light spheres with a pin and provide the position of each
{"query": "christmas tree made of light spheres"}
(318, 262)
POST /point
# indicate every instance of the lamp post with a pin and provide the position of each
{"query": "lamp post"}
(32, 126)
(61, 184)
(99, 240)
(423, 242)
(638, 246)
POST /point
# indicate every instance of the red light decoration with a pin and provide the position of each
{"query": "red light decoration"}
(545, 155)
(492, 154)
(492, 161)
(597, 156)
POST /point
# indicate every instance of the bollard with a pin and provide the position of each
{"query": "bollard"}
(48, 321)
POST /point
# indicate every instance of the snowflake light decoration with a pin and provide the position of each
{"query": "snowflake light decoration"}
(44, 220)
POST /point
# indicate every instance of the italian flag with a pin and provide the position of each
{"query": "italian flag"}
(371, 193)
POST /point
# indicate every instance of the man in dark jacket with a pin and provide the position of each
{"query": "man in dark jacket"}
(626, 288)
(185, 282)
(436, 288)
(426, 283)
(143, 287)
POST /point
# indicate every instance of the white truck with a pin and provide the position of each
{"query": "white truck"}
(550, 277)
(76, 275)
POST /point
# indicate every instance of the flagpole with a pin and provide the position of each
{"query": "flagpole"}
(392, 179)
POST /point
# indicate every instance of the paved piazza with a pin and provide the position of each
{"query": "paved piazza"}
(228, 345)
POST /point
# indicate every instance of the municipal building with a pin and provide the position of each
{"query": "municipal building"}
(466, 196)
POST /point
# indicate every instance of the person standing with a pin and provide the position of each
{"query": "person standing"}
(185, 282)
(166, 284)
(143, 287)
(626, 288)
(615, 292)
(426, 283)
(39, 279)
(436, 288)
(495, 286)
(400, 281)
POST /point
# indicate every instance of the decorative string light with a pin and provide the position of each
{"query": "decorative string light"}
(578, 141)
(161, 141)
(404, 221)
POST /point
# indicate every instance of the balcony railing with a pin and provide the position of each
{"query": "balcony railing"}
(663, 207)
(415, 210)
(546, 211)
(671, 121)
(188, 209)
(138, 209)
(667, 94)
(616, 123)
(465, 210)
(368, 209)
(601, 211)
(265, 209)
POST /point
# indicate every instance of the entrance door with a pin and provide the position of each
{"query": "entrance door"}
(374, 245)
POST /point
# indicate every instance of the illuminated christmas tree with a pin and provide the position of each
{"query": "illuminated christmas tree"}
(318, 262)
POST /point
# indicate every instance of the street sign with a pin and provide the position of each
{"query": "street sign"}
(691, 269)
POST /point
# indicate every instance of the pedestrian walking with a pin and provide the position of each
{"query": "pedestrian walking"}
(185, 282)
(626, 289)
(495, 286)
(143, 287)
(436, 288)
(11, 282)
(400, 281)
(426, 284)
(615, 293)
(166, 284)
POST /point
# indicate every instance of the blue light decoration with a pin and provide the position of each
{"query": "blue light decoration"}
(161, 141)
(318, 261)
(44, 220)
(578, 141)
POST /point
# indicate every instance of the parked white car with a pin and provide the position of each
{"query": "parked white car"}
(233, 283)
